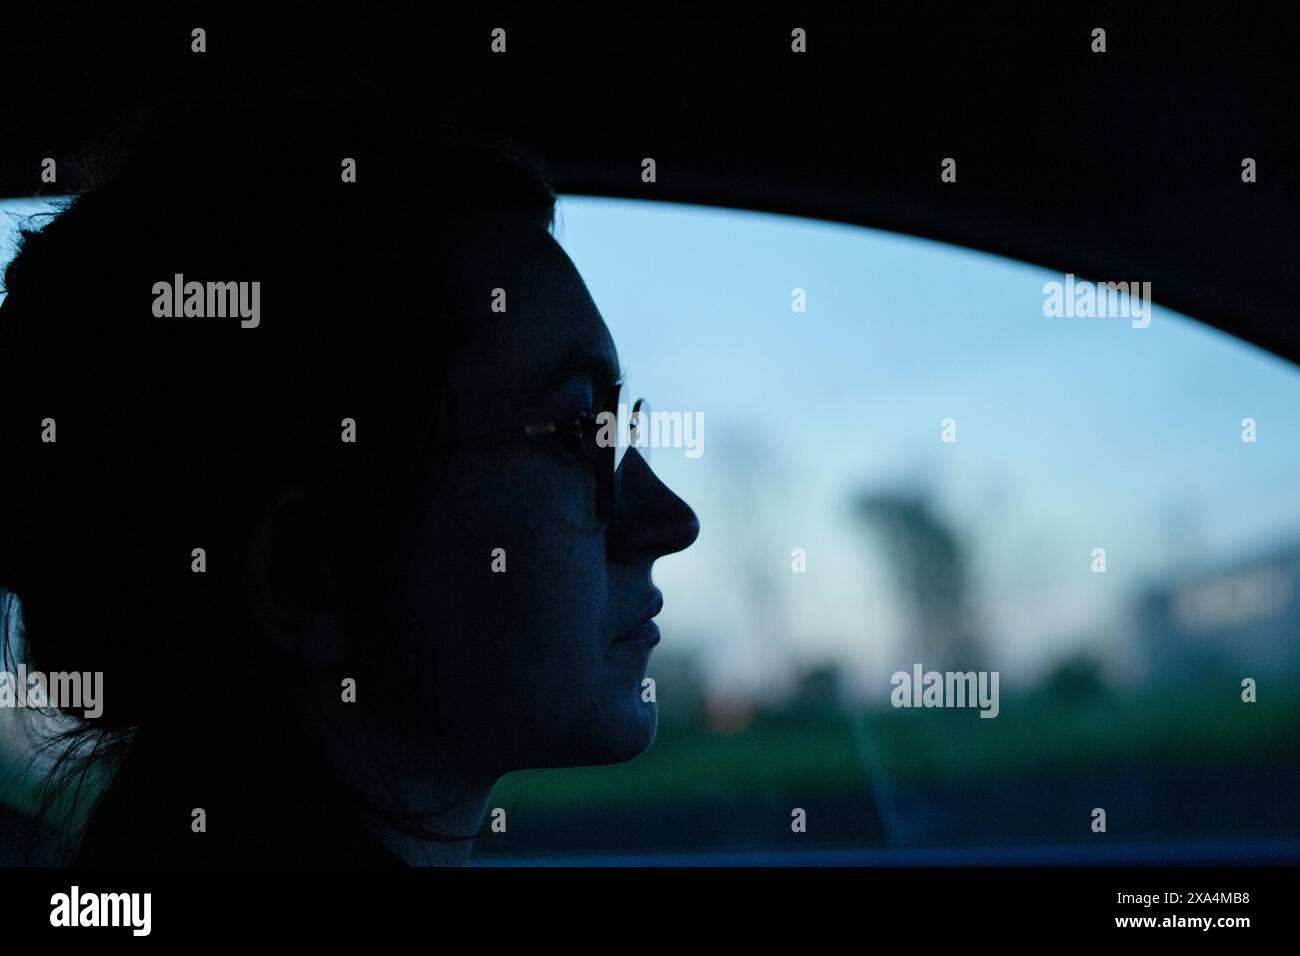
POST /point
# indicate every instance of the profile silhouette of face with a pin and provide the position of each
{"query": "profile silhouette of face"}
(513, 594)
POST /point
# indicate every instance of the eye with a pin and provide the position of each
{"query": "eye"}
(573, 434)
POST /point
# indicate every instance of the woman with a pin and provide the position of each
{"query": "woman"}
(298, 419)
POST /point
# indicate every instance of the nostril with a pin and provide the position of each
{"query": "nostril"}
(665, 524)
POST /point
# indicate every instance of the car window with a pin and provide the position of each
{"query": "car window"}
(912, 457)
(904, 463)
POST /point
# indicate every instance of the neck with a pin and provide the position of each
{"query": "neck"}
(432, 793)
(460, 818)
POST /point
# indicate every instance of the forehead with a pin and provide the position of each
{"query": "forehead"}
(549, 331)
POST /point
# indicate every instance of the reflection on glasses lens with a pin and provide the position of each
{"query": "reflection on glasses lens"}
(633, 420)
(638, 427)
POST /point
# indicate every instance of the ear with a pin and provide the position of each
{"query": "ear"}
(289, 584)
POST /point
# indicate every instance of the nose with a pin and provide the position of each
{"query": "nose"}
(651, 521)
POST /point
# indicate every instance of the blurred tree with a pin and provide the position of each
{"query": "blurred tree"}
(1075, 679)
(820, 688)
(928, 563)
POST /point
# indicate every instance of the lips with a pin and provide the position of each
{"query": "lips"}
(643, 634)
(646, 630)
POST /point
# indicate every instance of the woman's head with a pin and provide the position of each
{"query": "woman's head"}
(328, 461)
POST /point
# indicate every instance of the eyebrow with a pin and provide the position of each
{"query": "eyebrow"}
(602, 370)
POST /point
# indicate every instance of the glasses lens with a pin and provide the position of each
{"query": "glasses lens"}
(639, 428)
(631, 420)
(633, 426)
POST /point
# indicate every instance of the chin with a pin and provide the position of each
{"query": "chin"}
(617, 735)
(638, 733)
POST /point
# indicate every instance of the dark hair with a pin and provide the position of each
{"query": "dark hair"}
(176, 433)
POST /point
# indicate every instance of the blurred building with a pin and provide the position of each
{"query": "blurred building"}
(1243, 615)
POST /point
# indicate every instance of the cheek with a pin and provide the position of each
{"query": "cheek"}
(509, 590)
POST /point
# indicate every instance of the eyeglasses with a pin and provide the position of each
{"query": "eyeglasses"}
(604, 436)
